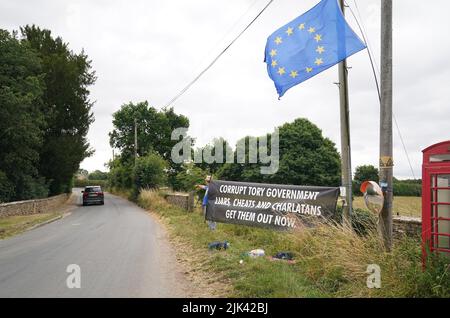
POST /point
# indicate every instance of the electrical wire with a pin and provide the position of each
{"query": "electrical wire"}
(374, 71)
(219, 42)
(369, 52)
(217, 57)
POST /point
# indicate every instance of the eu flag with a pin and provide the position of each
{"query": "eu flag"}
(309, 44)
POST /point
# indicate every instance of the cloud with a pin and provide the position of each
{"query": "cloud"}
(148, 50)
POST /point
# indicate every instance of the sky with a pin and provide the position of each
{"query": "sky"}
(149, 50)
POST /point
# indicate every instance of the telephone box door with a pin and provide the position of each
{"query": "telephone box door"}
(436, 209)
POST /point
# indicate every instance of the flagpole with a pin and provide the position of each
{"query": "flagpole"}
(346, 167)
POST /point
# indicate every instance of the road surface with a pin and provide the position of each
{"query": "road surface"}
(120, 250)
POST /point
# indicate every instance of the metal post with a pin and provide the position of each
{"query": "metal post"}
(346, 167)
(386, 161)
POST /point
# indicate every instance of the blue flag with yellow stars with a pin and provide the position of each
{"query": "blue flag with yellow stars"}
(309, 44)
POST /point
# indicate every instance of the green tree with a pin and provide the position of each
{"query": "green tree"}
(82, 173)
(149, 171)
(189, 176)
(21, 120)
(408, 187)
(364, 173)
(66, 106)
(218, 146)
(154, 132)
(98, 175)
(6, 188)
(242, 171)
(306, 158)
(120, 175)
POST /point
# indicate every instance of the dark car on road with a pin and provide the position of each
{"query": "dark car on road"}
(93, 194)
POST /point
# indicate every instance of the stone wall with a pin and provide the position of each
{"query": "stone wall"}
(32, 206)
(182, 200)
(405, 225)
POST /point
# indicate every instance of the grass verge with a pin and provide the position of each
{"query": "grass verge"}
(405, 206)
(13, 225)
(331, 260)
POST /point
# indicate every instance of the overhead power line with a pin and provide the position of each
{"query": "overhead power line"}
(217, 57)
(376, 74)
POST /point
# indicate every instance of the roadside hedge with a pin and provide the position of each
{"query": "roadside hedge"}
(401, 188)
(81, 183)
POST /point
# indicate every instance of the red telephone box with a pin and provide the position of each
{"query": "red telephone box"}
(436, 198)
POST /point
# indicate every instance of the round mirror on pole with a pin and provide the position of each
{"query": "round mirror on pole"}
(373, 196)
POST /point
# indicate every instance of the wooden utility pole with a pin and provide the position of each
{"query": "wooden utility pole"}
(135, 140)
(346, 166)
(386, 161)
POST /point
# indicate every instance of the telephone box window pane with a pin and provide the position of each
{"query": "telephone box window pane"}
(443, 242)
(443, 180)
(439, 195)
(441, 191)
(443, 210)
(440, 158)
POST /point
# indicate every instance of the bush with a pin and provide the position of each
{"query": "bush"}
(407, 189)
(149, 172)
(31, 188)
(6, 188)
(98, 175)
(120, 175)
(306, 157)
(81, 183)
(25, 188)
(189, 177)
(363, 173)
(363, 221)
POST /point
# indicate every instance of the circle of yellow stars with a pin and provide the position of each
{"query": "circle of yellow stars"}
(289, 31)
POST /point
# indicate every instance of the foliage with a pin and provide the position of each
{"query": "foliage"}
(66, 107)
(410, 188)
(189, 176)
(154, 131)
(406, 206)
(120, 175)
(45, 113)
(98, 175)
(306, 158)
(16, 224)
(83, 173)
(149, 172)
(331, 259)
(364, 173)
(363, 221)
(6, 188)
(21, 119)
(217, 147)
(81, 183)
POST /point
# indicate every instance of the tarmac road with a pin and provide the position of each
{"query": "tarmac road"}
(120, 250)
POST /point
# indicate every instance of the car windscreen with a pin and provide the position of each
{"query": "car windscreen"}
(93, 189)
